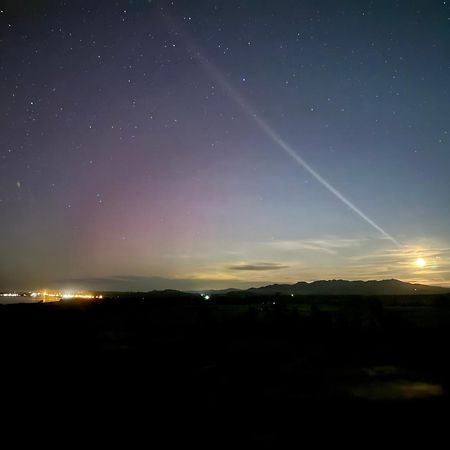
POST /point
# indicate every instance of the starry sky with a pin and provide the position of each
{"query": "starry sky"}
(209, 144)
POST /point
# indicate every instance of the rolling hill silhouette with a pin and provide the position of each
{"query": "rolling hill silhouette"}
(345, 287)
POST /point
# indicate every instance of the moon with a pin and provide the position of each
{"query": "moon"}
(420, 262)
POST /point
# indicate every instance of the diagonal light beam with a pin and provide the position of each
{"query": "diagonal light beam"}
(216, 75)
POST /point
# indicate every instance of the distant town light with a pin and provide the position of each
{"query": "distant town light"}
(52, 296)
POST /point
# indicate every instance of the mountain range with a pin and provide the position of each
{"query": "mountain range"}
(342, 287)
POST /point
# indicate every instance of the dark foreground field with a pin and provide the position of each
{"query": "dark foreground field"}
(233, 372)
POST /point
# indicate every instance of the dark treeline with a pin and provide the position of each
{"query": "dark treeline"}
(242, 297)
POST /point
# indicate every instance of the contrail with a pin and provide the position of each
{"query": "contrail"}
(275, 137)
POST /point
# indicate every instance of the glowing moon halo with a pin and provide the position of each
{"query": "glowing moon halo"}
(420, 262)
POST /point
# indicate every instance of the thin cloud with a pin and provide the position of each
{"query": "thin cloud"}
(329, 246)
(258, 266)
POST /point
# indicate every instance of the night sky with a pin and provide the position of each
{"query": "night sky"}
(208, 144)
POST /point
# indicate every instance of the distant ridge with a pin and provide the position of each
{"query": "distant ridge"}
(345, 287)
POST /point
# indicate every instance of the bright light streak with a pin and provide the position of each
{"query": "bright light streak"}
(52, 296)
(277, 139)
(63, 295)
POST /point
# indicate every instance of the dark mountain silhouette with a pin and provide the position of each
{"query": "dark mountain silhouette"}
(222, 291)
(345, 287)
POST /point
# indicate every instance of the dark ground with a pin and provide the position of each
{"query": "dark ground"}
(233, 372)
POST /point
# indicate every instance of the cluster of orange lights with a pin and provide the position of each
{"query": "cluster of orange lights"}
(65, 295)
